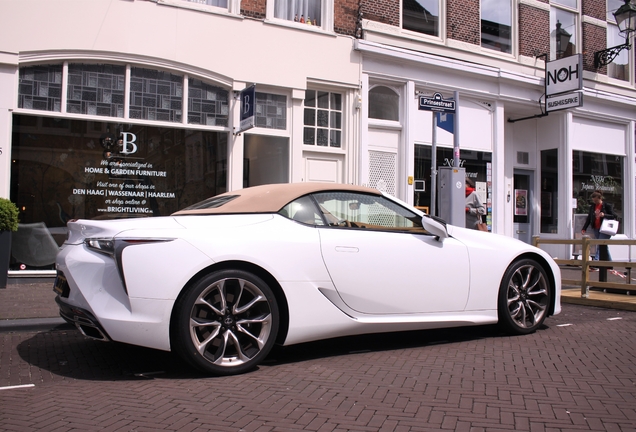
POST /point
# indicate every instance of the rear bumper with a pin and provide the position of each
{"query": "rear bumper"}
(83, 320)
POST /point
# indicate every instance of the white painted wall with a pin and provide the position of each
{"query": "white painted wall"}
(231, 47)
(8, 76)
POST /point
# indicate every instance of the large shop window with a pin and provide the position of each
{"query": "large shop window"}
(266, 160)
(64, 169)
(549, 191)
(597, 172)
(421, 16)
(477, 165)
(322, 119)
(496, 25)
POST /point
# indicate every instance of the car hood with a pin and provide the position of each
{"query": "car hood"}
(488, 240)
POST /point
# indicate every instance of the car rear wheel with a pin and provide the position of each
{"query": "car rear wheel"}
(226, 323)
(524, 297)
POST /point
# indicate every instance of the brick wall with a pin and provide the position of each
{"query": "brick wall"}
(463, 21)
(594, 39)
(345, 17)
(384, 11)
(534, 39)
(254, 8)
(594, 8)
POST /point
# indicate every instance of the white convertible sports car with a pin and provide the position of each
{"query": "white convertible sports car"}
(222, 281)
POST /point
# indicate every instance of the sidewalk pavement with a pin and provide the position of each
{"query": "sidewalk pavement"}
(29, 304)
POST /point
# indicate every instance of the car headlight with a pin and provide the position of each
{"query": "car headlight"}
(105, 246)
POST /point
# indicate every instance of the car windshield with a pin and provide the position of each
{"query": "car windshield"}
(214, 202)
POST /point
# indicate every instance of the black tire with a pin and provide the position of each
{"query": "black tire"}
(226, 323)
(524, 297)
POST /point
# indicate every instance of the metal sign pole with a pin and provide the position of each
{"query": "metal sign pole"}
(437, 104)
(456, 134)
(434, 167)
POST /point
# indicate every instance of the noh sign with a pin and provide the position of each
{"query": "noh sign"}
(564, 75)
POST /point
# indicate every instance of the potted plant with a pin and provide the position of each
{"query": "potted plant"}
(8, 224)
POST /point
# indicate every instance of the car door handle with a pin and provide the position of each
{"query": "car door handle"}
(520, 232)
(347, 249)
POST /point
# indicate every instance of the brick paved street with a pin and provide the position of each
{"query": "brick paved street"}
(577, 373)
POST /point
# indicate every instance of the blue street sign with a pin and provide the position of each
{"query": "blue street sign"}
(446, 121)
(248, 100)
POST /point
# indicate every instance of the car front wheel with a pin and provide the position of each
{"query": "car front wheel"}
(226, 323)
(524, 297)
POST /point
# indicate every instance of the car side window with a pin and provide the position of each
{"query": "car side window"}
(303, 210)
(361, 211)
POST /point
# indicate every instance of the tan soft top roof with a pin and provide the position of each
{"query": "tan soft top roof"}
(271, 198)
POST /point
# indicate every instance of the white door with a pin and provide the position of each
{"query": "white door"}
(382, 261)
(391, 273)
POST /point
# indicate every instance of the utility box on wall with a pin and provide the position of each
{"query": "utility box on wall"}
(452, 195)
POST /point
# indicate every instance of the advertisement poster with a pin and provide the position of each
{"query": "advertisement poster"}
(521, 202)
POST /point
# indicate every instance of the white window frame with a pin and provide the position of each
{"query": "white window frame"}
(233, 6)
(326, 22)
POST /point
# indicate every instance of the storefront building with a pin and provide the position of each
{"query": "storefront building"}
(535, 171)
(103, 120)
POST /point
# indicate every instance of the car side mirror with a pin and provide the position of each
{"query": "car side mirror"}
(434, 227)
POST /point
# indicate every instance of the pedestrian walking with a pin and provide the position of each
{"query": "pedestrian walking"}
(599, 210)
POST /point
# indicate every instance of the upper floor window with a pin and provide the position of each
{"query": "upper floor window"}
(619, 67)
(421, 16)
(384, 104)
(496, 25)
(204, 5)
(300, 11)
(217, 3)
(310, 14)
(564, 17)
(322, 119)
(612, 7)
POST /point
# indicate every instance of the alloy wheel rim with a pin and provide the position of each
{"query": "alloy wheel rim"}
(527, 296)
(230, 322)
